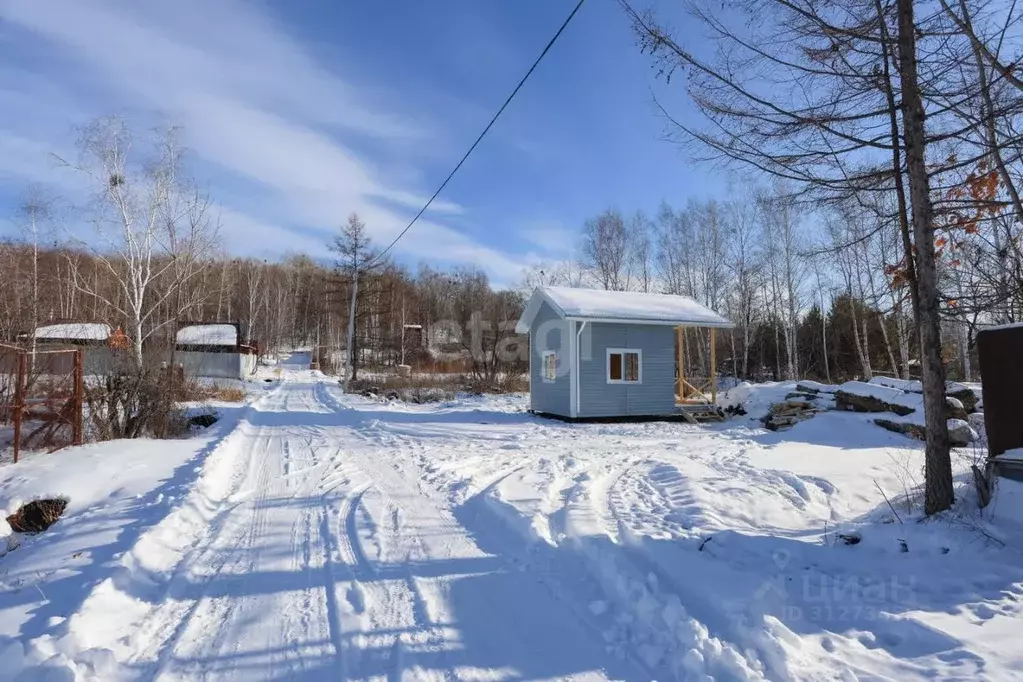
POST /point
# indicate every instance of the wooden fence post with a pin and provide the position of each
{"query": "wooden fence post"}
(77, 432)
(19, 400)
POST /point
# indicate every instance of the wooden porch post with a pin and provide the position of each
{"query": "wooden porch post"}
(680, 381)
(713, 369)
(77, 432)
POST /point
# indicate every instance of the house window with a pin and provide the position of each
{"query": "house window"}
(550, 366)
(624, 366)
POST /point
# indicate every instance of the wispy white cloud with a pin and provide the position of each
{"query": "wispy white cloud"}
(255, 107)
(551, 237)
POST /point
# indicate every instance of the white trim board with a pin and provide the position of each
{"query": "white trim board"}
(573, 375)
(659, 323)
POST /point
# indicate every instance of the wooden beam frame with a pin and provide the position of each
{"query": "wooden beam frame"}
(690, 390)
(680, 364)
(713, 368)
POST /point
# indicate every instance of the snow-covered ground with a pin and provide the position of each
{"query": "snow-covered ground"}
(321, 536)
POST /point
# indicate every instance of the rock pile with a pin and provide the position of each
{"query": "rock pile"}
(903, 399)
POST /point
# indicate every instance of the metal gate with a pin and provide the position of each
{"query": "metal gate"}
(41, 397)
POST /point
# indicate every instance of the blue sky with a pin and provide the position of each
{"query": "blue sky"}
(298, 113)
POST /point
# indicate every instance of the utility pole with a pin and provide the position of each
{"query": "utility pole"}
(349, 356)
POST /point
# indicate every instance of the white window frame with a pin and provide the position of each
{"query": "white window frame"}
(543, 366)
(623, 352)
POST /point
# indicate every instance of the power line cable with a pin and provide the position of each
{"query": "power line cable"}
(514, 92)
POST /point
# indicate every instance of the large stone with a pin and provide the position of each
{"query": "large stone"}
(956, 410)
(854, 402)
(966, 396)
(976, 422)
(815, 387)
(953, 389)
(913, 430)
(960, 434)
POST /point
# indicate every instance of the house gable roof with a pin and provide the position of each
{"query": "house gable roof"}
(626, 307)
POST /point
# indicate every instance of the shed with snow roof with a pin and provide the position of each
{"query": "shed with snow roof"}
(214, 350)
(619, 354)
(215, 337)
(99, 342)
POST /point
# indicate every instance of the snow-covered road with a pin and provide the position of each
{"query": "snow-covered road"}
(316, 556)
(332, 537)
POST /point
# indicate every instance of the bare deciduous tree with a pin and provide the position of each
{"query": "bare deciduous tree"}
(606, 250)
(153, 233)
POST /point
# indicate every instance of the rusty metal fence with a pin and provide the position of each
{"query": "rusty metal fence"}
(41, 397)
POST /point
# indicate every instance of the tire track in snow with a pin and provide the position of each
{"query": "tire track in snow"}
(559, 571)
(406, 612)
(171, 611)
(568, 510)
(549, 586)
(651, 621)
(557, 577)
(203, 610)
(384, 603)
(348, 557)
(272, 455)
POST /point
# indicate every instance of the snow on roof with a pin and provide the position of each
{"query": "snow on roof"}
(620, 306)
(75, 331)
(208, 335)
(1015, 455)
(998, 327)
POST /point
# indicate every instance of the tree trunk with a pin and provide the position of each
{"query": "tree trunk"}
(136, 339)
(745, 350)
(964, 349)
(864, 360)
(824, 321)
(777, 351)
(824, 346)
(731, 339)
(938, 492)
(868, 368)
(888, 345)
(900, 331)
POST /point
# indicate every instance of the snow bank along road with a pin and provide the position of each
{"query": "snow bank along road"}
(330, 537)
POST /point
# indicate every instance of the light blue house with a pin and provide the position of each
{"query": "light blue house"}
(612, 354)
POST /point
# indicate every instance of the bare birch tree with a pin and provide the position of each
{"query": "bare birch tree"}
(606, 252)
(150, 233)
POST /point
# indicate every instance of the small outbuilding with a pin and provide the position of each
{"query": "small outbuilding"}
(1001, 374)
(619, 354)
(98, 341)
(214, 350)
